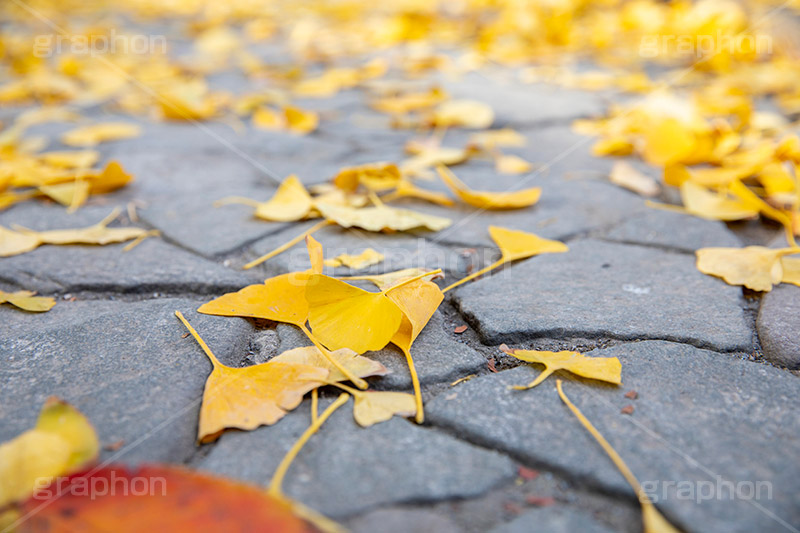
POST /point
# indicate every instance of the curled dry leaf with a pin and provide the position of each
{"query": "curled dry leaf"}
(756, 267)
(382, 218)
(249, 397)
(654, 521)
(24, 240)
(27, 301)
(704, 203)
(180, 501)
(62, 442)
(489, 200)
(373, 176)
(625, 175)
(95, 134)
(607, 369)
(366, 258)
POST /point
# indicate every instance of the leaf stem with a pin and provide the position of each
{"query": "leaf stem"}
(214, 361)
(284, 247)
(420, 418)
(357, 381)
(475, 274)
(277, 478)
(314, 405)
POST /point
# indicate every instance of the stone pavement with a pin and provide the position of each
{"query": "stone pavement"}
(711, 364)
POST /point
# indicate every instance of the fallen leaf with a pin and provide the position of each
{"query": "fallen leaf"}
(373, 176)
(460, 329)
(463, 114)
(382, 218)
(366, 258)
(252, 396)
(653, 521)
(627, 410)
(488, 140)
(511, 164)
(703, 203)
(607, 369)
(756, 267)
(176, 499)
(406, 189)
(514, 245)
(268, 119)
(631, 395)
(310, 355)
(95, 134)
(791, 270)
(383, 281)
(299, 120)
(489, 200)
(24, 240)
(70, 159)
(373, 407)
(540, 501)
(62, 442)
(527, 474)
(27, 301)
(625, 175)
(667, 142)
(291, 202)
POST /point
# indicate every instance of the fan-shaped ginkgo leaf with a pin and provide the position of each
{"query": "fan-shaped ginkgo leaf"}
(252, 396)
(310, 355)
(366, 258)
(344, 316)
(704, 203)
(27, 301)
(62, 442)
(383, 281)
(290, 203)
(756, 267)
(381, 218)
(489, 200)
(95, 134)
(372, 407)
(601, 368)
(514, 245)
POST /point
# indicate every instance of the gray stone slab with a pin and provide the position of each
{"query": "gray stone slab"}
(515, 103)
(600, 289)
(675, 231)
(437, 356)
(553, 519)
(403, 521)
(778, 325)
(152, 266)
(345, 469)
(126, 366)
(701, 417)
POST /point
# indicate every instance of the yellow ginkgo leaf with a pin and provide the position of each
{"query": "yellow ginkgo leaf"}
(489, 200)
(703, 203)
(615, 146)
(625, 175)
(601, 368)
(24, 240)
(358, 365)
(315, 254)
(281, 299)
(290, 203)
(511, 164)
(268, 119)
(372, 407)
(299, 120)
(374, 176)
(491, 139)
(431, 156)
(667, 142)
(791, 270)
(653, 521)
(418, 300)
(756, 267)
(383, 281)
(514, 245)
(406, 189)
(249, 397)
(382, 218)
(98, 133)
(463, 114)
(70, 159)
(27, 301)
(366, 258)
(62, 442)
(344, 316)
